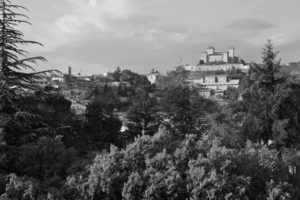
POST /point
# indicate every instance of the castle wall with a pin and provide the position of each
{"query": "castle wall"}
(224, 67)
(215, 58)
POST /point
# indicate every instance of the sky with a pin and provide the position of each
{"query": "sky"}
(96, 36)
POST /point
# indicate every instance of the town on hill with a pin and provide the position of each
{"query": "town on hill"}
(222, 129)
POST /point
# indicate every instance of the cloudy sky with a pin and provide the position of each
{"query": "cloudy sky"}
(95, 36)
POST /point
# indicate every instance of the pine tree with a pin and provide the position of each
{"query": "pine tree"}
(15, 79)
(271, 103)
(268, 72)
(16, 72)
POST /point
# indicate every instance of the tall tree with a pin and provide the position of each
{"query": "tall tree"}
(117, 74)
(15, 79)
(267, 73)
(184, 111)
(17, 74)
(258, 96)
(14, 82)
(16, 70)
(270, 106)
(143, 116)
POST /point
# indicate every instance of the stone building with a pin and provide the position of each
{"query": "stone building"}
(211, 56)
(214, 73)
(216, 82)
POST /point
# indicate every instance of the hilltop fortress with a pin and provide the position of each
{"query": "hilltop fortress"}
(211, 56)
(218, 61)
(214, 71)
(214, 74)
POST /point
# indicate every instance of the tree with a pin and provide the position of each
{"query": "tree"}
(143, 116)
(252, 172)
(231, 93)
(96, 91)
(102, 127)
(53, 107)
(183, 111)
(117, 74)
(16, 86)
(116, 173)
(106, 89)
(201, 62)
(157, 167)
(286, 114)
(14, 59)
(21, 188)
(47, 160)
(267, 73)
(269, 109)
(242, 62)
(177, 77)
(122, 90)
(271, 101)
(14, 82)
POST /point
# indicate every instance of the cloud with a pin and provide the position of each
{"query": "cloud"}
(99, 18)
(250, 24)
(114, 8)
(255, 32)
(102, 12)
(102, 34)
(93, 18)
(68, 24)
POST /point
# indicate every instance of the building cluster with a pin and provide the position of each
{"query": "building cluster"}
(211, 56)
(213, 74)
(217, 67)
(78, 88)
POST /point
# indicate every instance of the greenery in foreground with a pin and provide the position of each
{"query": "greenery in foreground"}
(178, 146)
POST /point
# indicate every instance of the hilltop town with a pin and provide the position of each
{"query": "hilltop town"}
(215, 74)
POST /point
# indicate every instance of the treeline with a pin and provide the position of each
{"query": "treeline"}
(108, 121)
(177, 145)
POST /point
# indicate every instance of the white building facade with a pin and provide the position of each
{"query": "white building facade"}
(220, 67)
(152, 77)
(216, 82)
